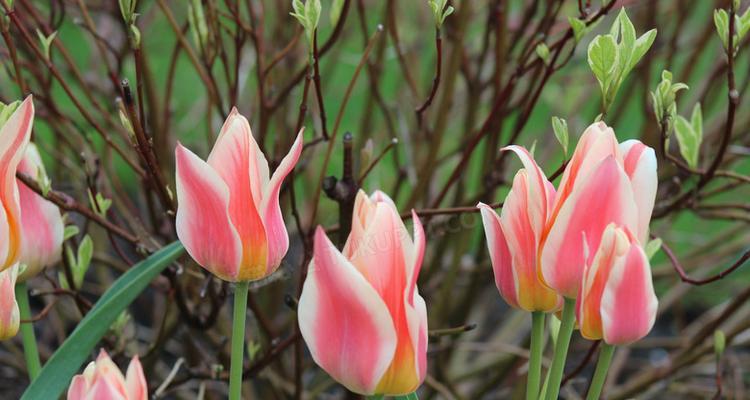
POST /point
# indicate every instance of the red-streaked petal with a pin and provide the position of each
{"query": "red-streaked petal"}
(103, 390)
(203, 223)
(603, 197)
(14, 135)
(640, 165)
(135, 381)
(523, 238)
(78, 389)
(536, 187)
(364, 209)
(613, 244)
(244, 169)
(596, 144)
(502, 262)
(9, 315)
(629, 304)
(273, 220)
(344, 322)
(42, 223)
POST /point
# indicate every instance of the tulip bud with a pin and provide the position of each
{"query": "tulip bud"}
(42, 223)
(9, 314)
(514, 236)
(102, 380)
(360, 312)
(14, 135)
(228, 215)
(617, 301)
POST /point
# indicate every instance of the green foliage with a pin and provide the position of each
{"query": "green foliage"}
(690, 135)
(335, 13)
(308, 15)
(127, 9)
(45, 41)
(6, 110)
(440, 12)
(69, 357)
(543, 52)
(612, 56)
(652, 247)
(720, 343)
(579, 28)
(560, 127)
(664, 100)
(70, 231)
(79, 263)
(197, 24)
(100, 204)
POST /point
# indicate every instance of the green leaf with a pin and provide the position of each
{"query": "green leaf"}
(560, 127)
(335, 12)
(642, 45)
(69, 232)
(46, 42)
(579, 28)
(410, 396)
(627, 43)
(67, 360)
(689, 136)
(602, 58)
(720, 342)
(652, 247)
(721, 20)
(543, 52)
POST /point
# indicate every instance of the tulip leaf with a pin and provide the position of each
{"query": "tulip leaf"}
(410, 396)
(68, 359)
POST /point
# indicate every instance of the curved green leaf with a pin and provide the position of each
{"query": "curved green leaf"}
(67, 360)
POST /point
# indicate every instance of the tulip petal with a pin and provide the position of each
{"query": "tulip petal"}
(343, 320)
(596, 144)
(79, 386)
(603, 197)
(502, 261)
(9, 315)
(203, 222)
(278, 238)
(41, 220)
(629, 304)
(416, 313)
(103, 390)
(640, 165)
(237, 158)
(536, 187)
(364, 209)
(14, 135)
(135, 381)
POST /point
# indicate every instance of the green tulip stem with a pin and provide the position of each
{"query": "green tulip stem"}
(567, 324)
(30, 351)
(238, 340)
(535, 360)
(600, 374)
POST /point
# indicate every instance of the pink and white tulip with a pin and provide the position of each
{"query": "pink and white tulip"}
(9, 313)
(617, 301)
(360, 312)
(102, 380)
(14, 136)
(604, 182)
(228, 216)
(42, 223)
(514, 236)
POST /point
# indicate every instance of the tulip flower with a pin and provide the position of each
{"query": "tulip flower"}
(14, 135)
(513, 237)
(229, 218)
(42, 224)
(360, 312)
(9, 314)
(228, 214)
(617, 301)
(604, 182)
(102, 380)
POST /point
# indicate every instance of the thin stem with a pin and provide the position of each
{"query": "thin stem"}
(535, 361)
(238, 340)
(561, 349)
(600, 374)
(30, 352)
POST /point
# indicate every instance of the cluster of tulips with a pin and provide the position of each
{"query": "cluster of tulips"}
(576, 251)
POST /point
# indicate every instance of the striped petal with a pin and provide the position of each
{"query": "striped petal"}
(629, 304)
(242, 166)
(344, 322)
(536, 188)
(14, 135)
(9, 315)
(135, 381)
(273, 220)
(614, 244)
(79, 386)
(41, 220)
(502, 262)
(640, 165)
(203, 222)
(603, 197)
